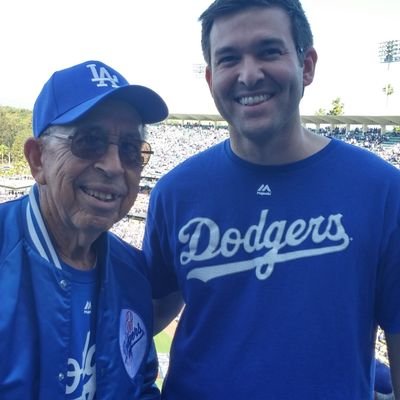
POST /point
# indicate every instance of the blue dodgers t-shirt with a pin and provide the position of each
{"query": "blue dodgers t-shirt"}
(383, 381)
(284, 270)
(81, 375)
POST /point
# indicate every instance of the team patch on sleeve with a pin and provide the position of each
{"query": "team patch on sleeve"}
(132, 340)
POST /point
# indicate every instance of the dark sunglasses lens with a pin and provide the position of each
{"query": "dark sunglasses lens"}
(89, 145)
(145, 153)
(131, 152)
(93, 144)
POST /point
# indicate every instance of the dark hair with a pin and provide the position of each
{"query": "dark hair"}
(300, 27)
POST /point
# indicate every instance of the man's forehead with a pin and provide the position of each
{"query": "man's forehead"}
(252, 25)
(258, 20)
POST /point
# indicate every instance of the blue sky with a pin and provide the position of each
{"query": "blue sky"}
(157, 42)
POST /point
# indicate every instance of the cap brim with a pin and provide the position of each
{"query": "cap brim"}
(150, 106)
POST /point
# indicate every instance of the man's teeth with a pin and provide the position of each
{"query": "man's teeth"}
(251, 100)
(100, 195)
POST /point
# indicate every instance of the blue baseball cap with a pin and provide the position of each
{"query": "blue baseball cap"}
(72, 92)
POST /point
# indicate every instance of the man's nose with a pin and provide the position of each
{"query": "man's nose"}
(251, 72)
(111, 162)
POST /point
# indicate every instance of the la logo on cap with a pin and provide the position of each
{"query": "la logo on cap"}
(102, 76)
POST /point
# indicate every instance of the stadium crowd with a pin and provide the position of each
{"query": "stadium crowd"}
(174, 143)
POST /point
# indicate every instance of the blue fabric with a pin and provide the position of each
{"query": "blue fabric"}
(285, 271)
(35, 313)
(81, 376)
(72, 92)
(383, 380)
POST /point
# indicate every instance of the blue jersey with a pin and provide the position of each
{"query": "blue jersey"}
(285, 271)
(36, 317)
(81, 375)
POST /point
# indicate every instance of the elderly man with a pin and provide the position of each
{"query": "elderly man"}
(76, 312)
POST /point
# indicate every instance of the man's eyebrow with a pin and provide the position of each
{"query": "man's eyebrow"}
(262, 42)
(271, 42)
(224, 50)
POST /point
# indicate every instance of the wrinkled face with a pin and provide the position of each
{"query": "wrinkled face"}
(89, 195)
(255, 76)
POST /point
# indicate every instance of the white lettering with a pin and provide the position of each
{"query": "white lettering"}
(205, 242)
(210, 229)
(102, 76)
(79, 373)
(256, 245)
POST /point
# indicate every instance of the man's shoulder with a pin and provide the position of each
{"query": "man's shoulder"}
(364, 159)
(11, 224)
(10, 206)
(120, 246)
(123, 253)
(12, 216)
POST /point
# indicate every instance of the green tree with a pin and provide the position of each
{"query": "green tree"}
(17, 150)
(388, 89)
(4, 152)
(12, 122)
(320, 111)
(7, 127)
(337, 107)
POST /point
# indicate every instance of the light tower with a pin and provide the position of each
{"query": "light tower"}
(389, 52)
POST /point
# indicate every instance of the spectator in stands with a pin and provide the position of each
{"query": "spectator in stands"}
(283, 244)
(76, 313)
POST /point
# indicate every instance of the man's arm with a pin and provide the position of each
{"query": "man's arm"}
(150, 391)
(393, 345)
(166, 309)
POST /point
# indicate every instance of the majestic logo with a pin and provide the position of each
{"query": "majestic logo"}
(132, 340)
(88, 308)
(264, 190)
(281, 240)
(102, 76)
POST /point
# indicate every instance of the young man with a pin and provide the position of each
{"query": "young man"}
(76, 311)
(284, 245)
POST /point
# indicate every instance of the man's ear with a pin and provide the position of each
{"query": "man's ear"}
(310, 61)
(33, 153)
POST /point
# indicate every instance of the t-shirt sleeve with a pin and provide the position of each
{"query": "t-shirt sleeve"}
(388, 292)
(157, 251)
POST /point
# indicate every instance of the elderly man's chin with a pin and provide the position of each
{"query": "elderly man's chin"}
(101, 215)
(95, 223)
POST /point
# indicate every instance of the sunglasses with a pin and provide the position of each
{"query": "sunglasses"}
(91, 144)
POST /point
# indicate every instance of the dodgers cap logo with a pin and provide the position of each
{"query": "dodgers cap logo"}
(72, 92)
